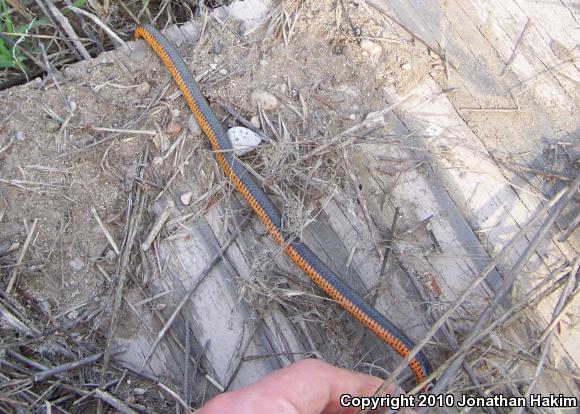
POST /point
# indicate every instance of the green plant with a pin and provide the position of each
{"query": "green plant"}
(9, 58)
(11, 54)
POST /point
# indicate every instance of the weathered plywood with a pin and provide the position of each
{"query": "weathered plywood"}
(482, 194)
(476, 209)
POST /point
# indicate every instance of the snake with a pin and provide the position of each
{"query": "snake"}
(268, 213)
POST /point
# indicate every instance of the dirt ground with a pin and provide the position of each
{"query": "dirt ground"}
(327, 71)
(80, 144)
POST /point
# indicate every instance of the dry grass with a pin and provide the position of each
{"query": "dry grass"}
(69, 366)
(70, 31)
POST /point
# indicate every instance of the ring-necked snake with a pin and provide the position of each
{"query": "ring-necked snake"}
(269, 214)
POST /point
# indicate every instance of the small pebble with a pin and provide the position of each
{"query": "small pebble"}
(143, 89)
(45, 306)
(161, 142)
(223, 72)
(37, 83)
(174, 127)
(561, 51)
(406, 66)
(348, 90)
(174, 112)
(217, 47)
(76, 264)
(255, 121)
(372, 120)
(52, 126)
(20, 136)
(266, 100)
(371, 47)
(139, 391)
(243, 140)
(186, 198)
(352, 117)
(159, 306)
(110, 256)
(157, 161)
(433, 130)
(213, 66)
(193, 126)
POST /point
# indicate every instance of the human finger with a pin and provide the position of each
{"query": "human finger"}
(307, 387)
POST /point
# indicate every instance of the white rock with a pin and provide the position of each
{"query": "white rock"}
(157, 161)
(373, 120)
(433, 130)
(255, 121)
(213, 66)
(76, 264)
(406, 66)
(186, 198)
(371, 47)
(348, 89)
(352, 117)
(139, 391)
(223, 72)
(390, 78)
(243, 140)
(143, 88)
(266, 100)
(161, 142)
(110, 256)
(193, 126)
(51, 126)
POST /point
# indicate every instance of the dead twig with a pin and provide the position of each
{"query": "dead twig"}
(505, 287)
(159, 223)
(556, 315)
(437, 50)
(65, 24)
(43, 375)
(48, 13)
(105, 231)
(114, 402)
(25, 247)
(135, 208)
(390, 242)
(516, 48)
(570, 229)
(474, 284)
(204, 273)
(100, 23)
